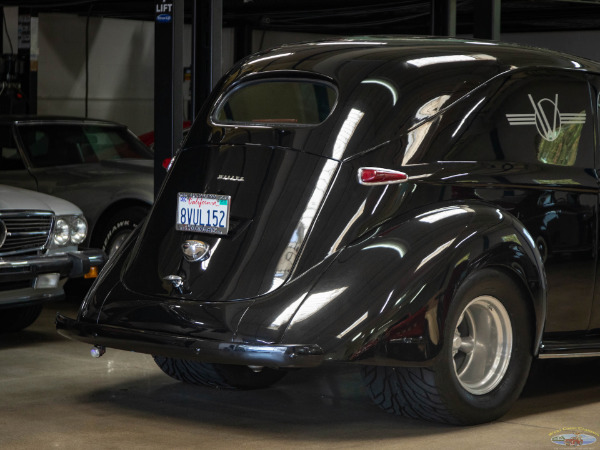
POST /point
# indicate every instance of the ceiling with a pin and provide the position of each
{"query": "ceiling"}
(347, 16)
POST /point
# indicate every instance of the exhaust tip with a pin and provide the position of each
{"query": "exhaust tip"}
(97, 351)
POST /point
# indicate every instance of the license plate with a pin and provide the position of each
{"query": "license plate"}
(204, 213)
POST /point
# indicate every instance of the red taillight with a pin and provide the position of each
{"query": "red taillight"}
(166, 163)
(376, 176)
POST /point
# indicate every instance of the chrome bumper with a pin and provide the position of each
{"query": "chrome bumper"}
(19, 276)
(71, 264)
(176, 346)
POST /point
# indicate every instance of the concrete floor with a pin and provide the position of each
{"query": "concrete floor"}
(54, 395)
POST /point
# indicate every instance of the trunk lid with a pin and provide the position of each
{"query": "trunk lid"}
(275, 195)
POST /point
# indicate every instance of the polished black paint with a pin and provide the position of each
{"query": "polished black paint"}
(366, 273)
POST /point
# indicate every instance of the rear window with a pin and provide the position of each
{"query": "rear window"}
(277, 102)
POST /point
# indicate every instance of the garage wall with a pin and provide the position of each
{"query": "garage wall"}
(580, 43)
(121, 68)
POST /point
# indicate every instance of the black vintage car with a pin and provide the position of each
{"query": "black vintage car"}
(426, 208)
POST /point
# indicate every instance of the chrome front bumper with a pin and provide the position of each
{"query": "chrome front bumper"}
(71, 264)
(183, 347)
(19, 276)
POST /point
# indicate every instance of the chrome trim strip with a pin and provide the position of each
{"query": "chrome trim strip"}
(568, 355)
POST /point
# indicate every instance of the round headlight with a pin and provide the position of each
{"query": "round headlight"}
(79, 230)
(61, 232)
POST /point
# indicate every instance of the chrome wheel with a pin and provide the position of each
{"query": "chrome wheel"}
(482, 345)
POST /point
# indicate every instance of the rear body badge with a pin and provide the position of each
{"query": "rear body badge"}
(231, 178)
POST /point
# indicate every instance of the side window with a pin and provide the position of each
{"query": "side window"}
(107, 144)
(10, 159)
(534, 118)
(49, 145)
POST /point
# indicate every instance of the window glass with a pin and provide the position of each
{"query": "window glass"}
(533, 118)
(9, 154)
(62, 144)
(291, 102)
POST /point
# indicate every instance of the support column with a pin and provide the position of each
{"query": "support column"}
(2, 30)
(28, 52)
(168, 83)
(486, 19)
(207, 32)
(242, 41)
(443, 17)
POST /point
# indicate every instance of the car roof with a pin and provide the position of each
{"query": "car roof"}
(423, 53)
(424, 75)
(50, 119)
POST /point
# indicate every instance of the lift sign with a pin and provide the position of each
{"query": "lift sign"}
(163, 12)
(203, 213)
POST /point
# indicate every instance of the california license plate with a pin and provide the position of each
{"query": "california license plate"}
(204, 213)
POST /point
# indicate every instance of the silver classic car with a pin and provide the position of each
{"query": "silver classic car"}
(39, 239)
(100, 166)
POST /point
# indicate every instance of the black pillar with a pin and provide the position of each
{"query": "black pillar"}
(486, 19)
(242, 41)
(1, 30)
(28, 59)
(443, 17)
(207, 31)
(168, 83)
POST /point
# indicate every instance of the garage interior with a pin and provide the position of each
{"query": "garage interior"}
(97, 59)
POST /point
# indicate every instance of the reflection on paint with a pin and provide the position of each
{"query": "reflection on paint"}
(386, 84)
(391, 244)
(414, 140)
(266, 58)
(346, 132)
(287, 314)
(355, 217)
(316, 302)
(442, 213)
(285, 265)
(434, 253)
(466, 116)
(511, 238)
(353, 326)
(430, 60)
(287, 259)
(206, 262)
(432, 107)
(417, 135)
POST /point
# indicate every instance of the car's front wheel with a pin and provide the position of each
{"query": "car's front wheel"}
(17, 319)
(223, 376)
(483, 364)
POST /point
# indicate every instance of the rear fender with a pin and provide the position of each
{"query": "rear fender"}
(384, 299)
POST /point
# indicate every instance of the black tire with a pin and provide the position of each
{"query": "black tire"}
(542, 246)
(115, 230)
(452, 390)
(219, 376)
(17, 319)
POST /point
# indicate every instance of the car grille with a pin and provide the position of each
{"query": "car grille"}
(24, 231)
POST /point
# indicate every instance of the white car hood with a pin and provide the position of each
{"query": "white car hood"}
(12, 198)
